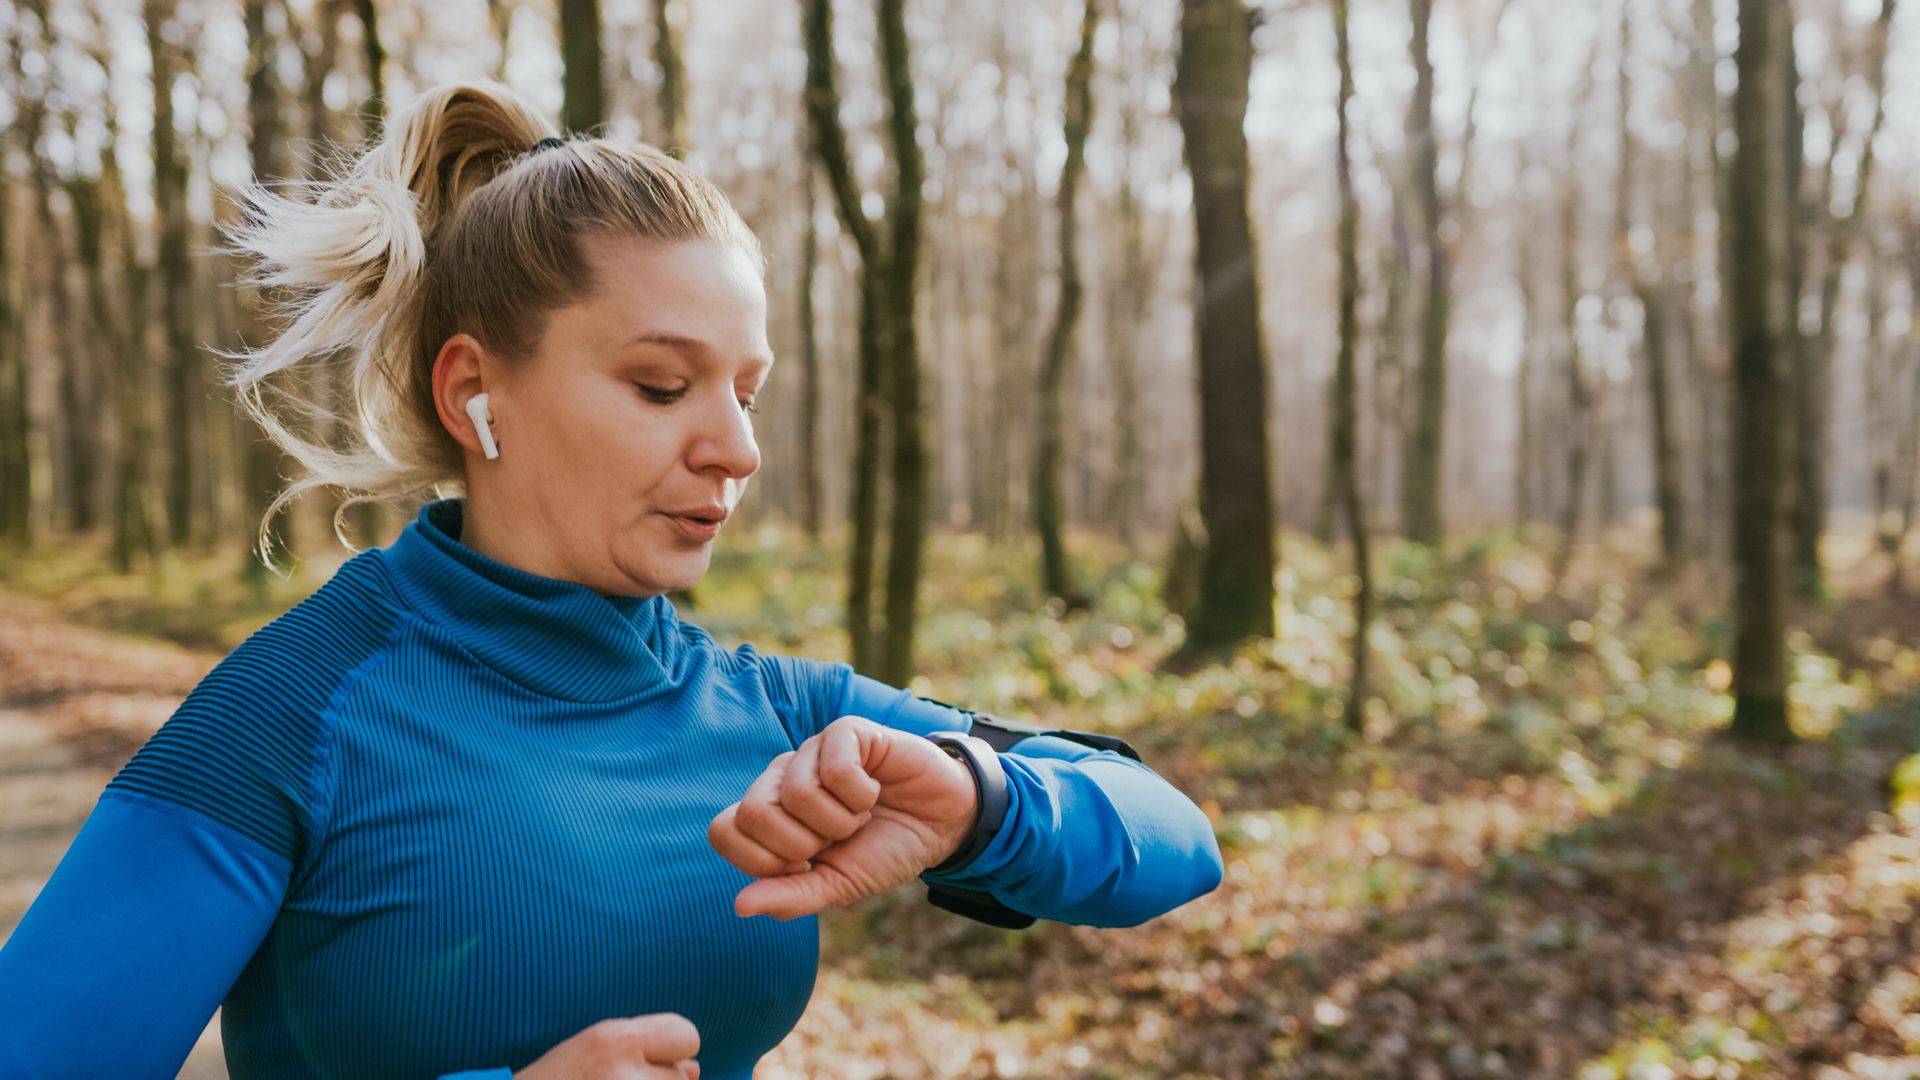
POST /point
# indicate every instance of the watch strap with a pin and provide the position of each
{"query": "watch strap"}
(990, 789)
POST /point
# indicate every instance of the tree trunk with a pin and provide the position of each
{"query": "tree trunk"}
(673, 82)
(1910, 474)
(121, 320)
(1580, 425)
(187, 458)
(374, 110)
(1236, 502)
(810, 496)
(906, 541)
(1756, 303)
(1526, 447)
(16, 455)
(583, 105)
(1884, 375)
(830, 145)
(1390, 347)
(1129, 302)
(1346, 418)
(1813, 394)
(1049, 435)
(1420, 476)
(889, 382)
(76, 422)
(263, 460)
(1645, 277)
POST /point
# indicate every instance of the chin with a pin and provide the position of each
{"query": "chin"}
(673, 579)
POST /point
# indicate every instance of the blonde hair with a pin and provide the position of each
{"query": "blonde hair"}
(449, 224)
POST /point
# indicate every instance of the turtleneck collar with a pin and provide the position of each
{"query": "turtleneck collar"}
(558, 638)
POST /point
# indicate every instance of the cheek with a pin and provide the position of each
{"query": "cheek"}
(641, 441)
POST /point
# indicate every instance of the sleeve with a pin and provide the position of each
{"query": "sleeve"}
(178, 873)
(135, 940)
(1092, 836)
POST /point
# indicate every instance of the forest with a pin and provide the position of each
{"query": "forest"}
(1471, 447)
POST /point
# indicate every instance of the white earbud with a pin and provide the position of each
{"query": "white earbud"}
(483, 424)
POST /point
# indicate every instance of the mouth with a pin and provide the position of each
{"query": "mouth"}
(705, 515)
(699, 524)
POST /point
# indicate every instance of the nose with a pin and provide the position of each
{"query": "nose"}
(725, 441)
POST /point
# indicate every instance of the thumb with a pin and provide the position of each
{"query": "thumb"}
(786, 897)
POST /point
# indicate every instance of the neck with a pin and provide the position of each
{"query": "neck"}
(482, 530)
(478, 531)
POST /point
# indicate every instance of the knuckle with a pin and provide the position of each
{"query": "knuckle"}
(604, 1039)
(847, 775)
(754, 816)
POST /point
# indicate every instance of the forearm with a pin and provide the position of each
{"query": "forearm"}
(132, 944)
(1092, 838)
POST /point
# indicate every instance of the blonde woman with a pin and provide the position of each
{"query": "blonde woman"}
(484, 804)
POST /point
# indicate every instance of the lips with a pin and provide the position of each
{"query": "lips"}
(699, 524)
(712, 514)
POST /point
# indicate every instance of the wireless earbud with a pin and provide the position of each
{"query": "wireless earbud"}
(483, 424)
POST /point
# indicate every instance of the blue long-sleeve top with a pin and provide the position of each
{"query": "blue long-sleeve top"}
(444, 814)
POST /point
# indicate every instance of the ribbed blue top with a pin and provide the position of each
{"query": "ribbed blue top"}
(444, 814)
(493, 789)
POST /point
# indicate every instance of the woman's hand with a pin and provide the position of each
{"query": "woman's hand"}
(870, 807)
(657, 1046)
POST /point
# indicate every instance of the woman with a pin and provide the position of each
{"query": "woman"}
(483, 804)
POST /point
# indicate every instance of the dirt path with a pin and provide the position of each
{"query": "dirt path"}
(75, 703)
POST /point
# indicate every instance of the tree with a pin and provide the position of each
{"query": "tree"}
(1636, 252)
(1580, 428)
(1210, 92)
(120, 320)
(1128, 297)
(583, 106)
(889, 359)
(673, 84)
(1756, 304)
(810, 463)
(1813, 355)
(263, 460)
(189, 488)
(16, 454)
(374, 110)
(1421, 473)
(1346, 409)
(1049, 433)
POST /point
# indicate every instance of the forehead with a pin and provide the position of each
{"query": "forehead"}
(676, 293)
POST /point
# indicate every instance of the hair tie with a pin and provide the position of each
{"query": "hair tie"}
(547, 143)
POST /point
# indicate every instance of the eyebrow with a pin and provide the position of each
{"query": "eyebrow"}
(694, 347)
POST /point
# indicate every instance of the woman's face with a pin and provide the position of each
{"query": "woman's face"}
(631, 416)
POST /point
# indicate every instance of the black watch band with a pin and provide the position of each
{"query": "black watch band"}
(989, 784)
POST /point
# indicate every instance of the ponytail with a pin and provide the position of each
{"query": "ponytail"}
(343, 264)
(448, 225)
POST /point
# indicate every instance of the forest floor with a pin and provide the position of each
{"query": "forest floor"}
(1542, 858)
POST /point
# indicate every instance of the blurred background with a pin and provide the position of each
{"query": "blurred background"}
(1470, 446)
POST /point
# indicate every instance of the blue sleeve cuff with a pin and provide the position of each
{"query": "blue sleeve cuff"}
(1092, 837)
(897, 708)
(480, 1074)
(137, 937)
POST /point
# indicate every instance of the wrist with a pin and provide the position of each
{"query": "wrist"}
(990, 798)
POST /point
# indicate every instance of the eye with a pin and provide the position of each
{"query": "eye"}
(661, 394)
(748, 405)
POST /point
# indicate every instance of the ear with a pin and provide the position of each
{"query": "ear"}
(460, 371)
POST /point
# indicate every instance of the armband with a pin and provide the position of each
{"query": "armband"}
(1001, 735)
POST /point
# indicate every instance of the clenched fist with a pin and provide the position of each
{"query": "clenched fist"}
(858, 809)
(657, 1046)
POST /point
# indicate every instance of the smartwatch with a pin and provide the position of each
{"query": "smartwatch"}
(989, 784)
